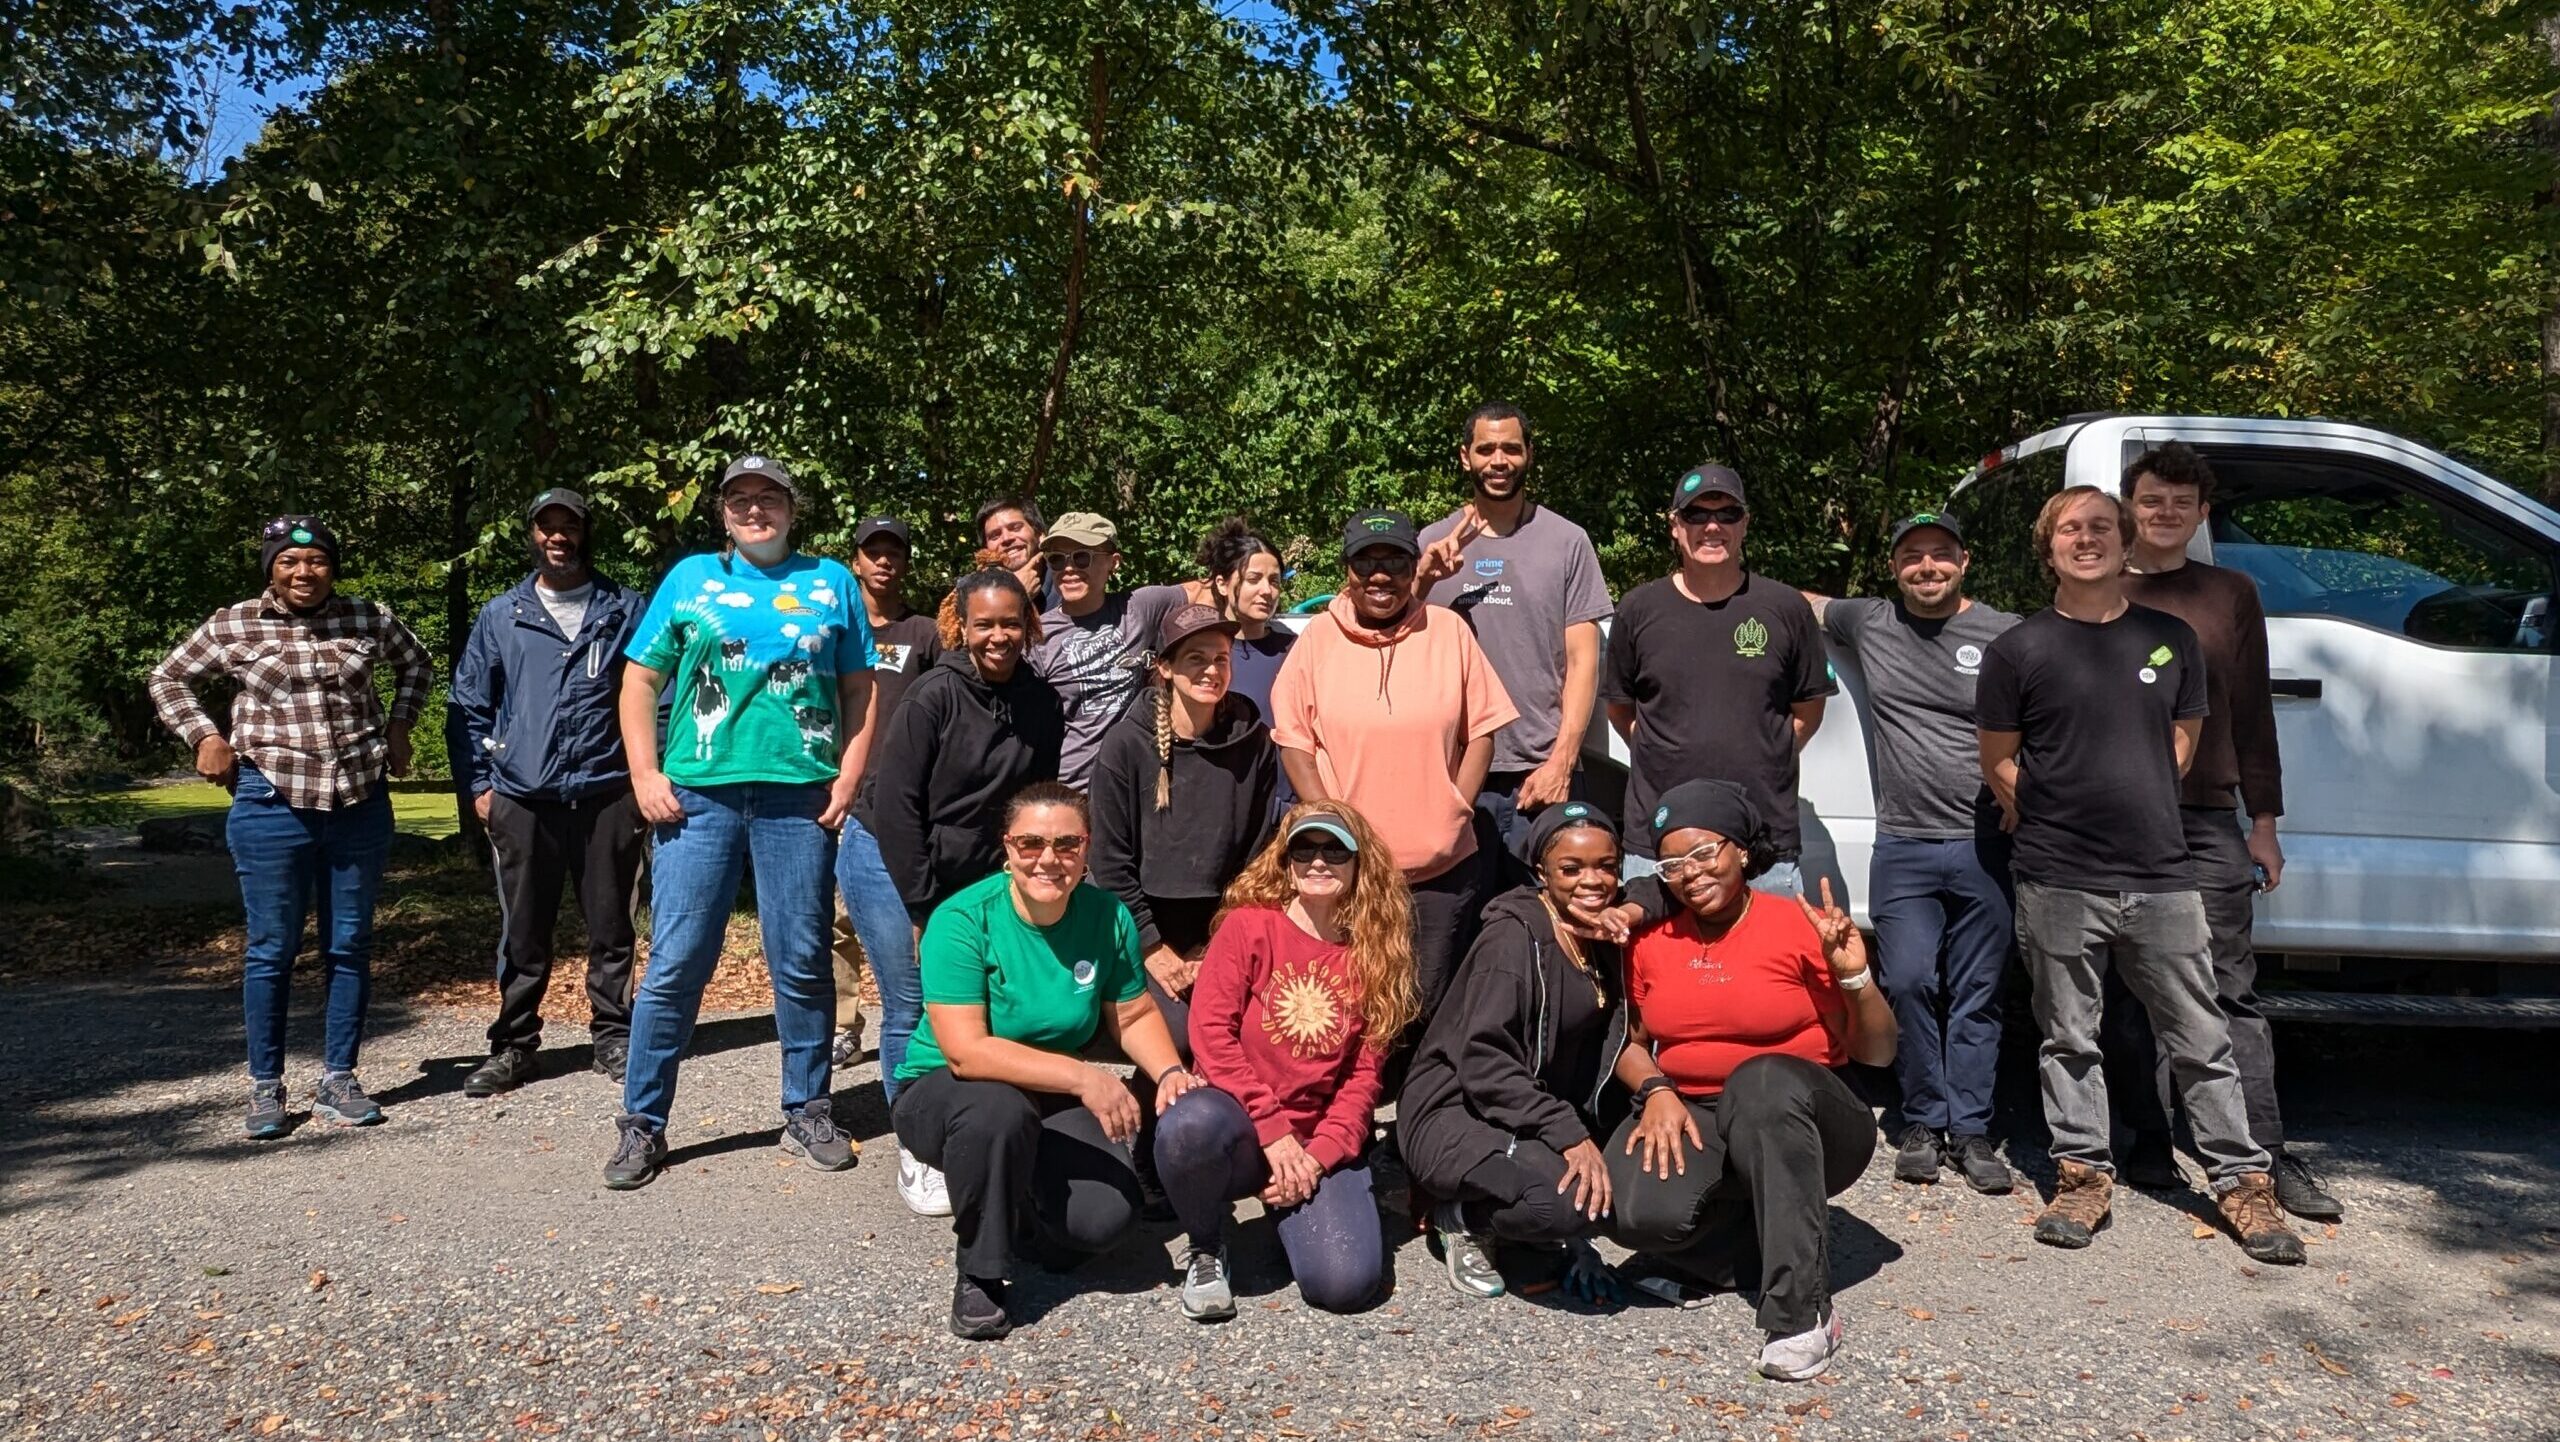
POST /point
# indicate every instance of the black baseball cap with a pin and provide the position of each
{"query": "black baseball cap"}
(1919, 519)
(1706, 480)
(1188, 621)
(883, 526)
(1371, 529)
(560, 496)
(761, 465)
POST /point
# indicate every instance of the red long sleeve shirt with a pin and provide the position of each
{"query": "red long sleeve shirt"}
(1275, 1023)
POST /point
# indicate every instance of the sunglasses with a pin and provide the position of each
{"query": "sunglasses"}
(1696, 860)
(1713, 516)
(1375, 563)
(1329, 849)
(1026, 846)
(1076, 560)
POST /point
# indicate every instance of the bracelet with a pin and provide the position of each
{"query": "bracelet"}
(1168, 1071)
(1860, 982)
(1655, 1083)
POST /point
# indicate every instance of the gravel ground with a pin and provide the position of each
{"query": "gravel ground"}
(460, 1272)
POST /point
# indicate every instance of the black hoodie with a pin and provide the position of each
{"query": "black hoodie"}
(953, 753)
(1223, 783)
(1485, 1072)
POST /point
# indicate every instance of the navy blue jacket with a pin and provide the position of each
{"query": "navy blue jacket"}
(538, 711)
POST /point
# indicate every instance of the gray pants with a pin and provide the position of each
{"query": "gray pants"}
(2158, 944)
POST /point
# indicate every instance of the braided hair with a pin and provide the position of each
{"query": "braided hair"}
(1164, 743)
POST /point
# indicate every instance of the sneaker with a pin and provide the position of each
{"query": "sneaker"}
(506, 1069)
(1206, 1295)
(1920, 1157)
(340, 1100)
(2300, 1192)
(1469, 1258)
(977, 1309)
(809, 1133)
(848, 1047)
(613, 1057)
(265, 1120)
(921, 1187)
(2079, 1206)
(637, 1156)
(1983, 1170)
(1804, 1356)
(2249, 1205)
(2151, 1164)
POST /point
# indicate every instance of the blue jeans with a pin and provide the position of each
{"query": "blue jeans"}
(695, 867)
(1944, 925)
(293, 860)
(888, 942)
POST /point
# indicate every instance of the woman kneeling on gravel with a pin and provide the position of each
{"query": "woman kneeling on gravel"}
(1739, 1008)
(1309, 978)
(1510, 1087)
(1021, 973)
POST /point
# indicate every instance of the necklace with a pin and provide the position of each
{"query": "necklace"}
(1572, 947)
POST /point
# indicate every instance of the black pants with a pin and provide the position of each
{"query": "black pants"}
(2137, 1078)
(1784, 1137)
(542, 847)
(1517, 1195)
(1445, 910)
(1025, 1169)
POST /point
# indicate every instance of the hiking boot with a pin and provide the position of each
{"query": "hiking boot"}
(1804, 1356)
(1206, 1294)
(2151, 1164)
(340, 1100)
(1920, 1157)
(921, 1187)
(265, 1120)
(2078, 1208)
(2299, 1192)
(977, 1309)
(2249, 1204)
(506, 1069)
(848, 1046)
(637, 1156)
(1983, 1170)
(809, 1133)
(613, 1057)
(1469, 1257)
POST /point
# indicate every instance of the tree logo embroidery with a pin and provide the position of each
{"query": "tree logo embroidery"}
(1751, 638)
(1304, 1012)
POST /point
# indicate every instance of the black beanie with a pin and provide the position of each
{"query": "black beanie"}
(286, 533)
(1556, 820)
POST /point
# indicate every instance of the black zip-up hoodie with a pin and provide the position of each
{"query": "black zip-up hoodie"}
(1474, 1083)
(952, 754)
(1223, 783)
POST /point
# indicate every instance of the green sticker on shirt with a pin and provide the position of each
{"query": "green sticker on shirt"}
(2160, 655)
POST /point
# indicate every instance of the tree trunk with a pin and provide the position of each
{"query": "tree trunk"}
(1044, 435)
(1667, 206)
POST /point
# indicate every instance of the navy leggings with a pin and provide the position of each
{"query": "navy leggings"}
(1207, 1158)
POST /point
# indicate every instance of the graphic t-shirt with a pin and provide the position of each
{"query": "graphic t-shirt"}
(1044, 987)
(751, 656)
(1097, 663)
(1520, 592)
(1275, 1023)
(2096, 707)
(1920, 677)
(1714, 684)
(904, 649)
(1762, 988)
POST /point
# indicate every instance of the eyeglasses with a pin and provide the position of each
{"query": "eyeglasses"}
(1713, 516)
(766, 501)
(1382, 563)
(1696, 860)
(1027, 847)
(1076, 560)
(1327, 848)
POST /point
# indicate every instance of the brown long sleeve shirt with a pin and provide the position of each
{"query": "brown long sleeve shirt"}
(2237, 753)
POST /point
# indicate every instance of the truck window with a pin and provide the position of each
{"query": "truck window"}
(1998, 513)
(2325, 535)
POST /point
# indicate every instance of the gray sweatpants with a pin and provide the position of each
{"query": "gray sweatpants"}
(2158, 945)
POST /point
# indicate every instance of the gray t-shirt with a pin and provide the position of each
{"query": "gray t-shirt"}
(568, 608)
(1519, 592)
(1097, 663)
(1920, 678)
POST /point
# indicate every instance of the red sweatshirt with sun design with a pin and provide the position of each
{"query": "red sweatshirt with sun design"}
(1275, 1023)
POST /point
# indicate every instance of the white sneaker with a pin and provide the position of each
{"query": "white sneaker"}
(921, 1187)
(1206, 1293)
(1804, 1356)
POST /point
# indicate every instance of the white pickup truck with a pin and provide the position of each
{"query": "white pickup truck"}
(2409, 603)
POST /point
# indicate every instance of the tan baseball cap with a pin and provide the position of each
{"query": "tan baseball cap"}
(1080, 528)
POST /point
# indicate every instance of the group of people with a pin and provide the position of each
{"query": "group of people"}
(1164, 903)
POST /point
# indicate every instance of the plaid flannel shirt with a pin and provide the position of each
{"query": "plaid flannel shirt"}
(307, 714)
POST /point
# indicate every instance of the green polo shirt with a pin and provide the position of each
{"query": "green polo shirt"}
(1042, 986)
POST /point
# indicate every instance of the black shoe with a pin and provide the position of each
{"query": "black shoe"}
(809, 1132)
(977, 1309)
(613, 1056)
(641, 1150)
(2151, 1164)
(506, 1069)
(1983, 1170)
(2299, 1192)
(1920, 1157)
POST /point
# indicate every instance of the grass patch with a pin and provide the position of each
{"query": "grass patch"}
(420, 808)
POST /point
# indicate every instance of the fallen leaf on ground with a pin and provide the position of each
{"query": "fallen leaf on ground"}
(272, 1422)
(2202, 1231)
(1921, 1314)
(777, 1289)
(2403, 1399)
(319, 1280)
(2333, 1368)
